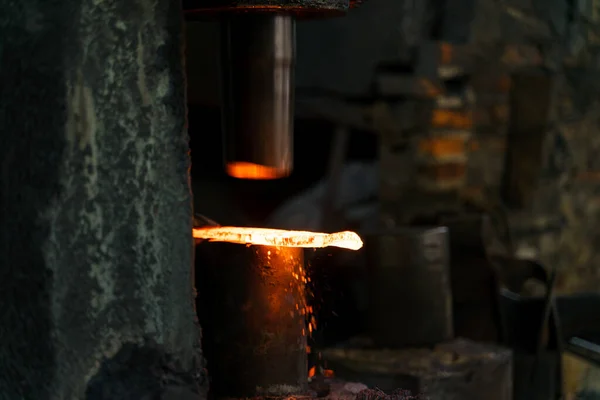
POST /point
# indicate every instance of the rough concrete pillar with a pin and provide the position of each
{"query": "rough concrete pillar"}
(95, 214)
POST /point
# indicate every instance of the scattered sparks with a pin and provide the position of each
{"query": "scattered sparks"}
(280, 239)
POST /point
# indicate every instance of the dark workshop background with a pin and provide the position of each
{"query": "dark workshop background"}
(561, 215)
(508, 48)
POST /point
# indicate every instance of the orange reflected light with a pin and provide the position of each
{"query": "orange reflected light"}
(277, 240)
(246, 170)
(278, 237)
(328, 373)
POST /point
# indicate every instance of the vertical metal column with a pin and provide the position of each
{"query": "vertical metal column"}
(411, 299)
(257, 66)
(253, 310)
(95, 244)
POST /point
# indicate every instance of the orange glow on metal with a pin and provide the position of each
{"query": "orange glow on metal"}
(451, 119)
(287, 267)
(275, 247)
(278, 237)
(440, 147)
(446, 53)
(430, 88)
(328, 373)
(245, 170)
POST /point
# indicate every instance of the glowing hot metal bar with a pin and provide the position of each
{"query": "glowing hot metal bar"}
(278, 237)
(253, 309)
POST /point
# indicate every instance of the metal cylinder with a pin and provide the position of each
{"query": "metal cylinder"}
(257, 67)
(252, 312)
(410, 291)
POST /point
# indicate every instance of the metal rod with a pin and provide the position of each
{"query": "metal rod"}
(257, 66)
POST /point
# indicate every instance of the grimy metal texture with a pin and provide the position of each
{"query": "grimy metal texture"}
(475, 283)
(526, 137)
(298, 8)
(469, 370)
(456, 370)
(257, 74)
(410, 292)
(95, 244)
(251, 304)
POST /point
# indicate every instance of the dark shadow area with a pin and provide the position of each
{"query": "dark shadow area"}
(140, 372)
(255, 200)
(30, 154)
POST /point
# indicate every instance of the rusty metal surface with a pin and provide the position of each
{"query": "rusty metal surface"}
(409, 285)
(251, 302)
